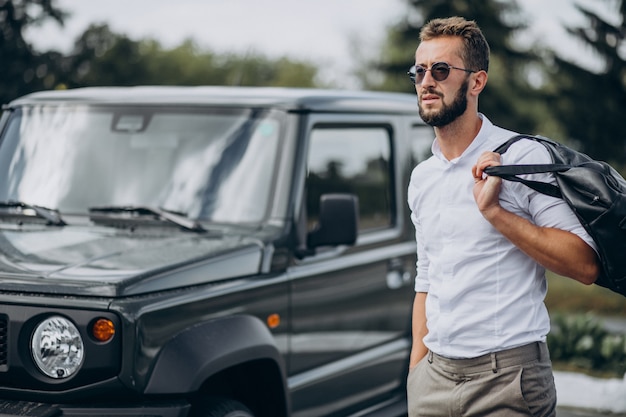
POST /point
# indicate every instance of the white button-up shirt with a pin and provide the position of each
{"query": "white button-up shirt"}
(484, 294)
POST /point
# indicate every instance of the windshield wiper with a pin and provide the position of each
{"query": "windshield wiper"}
(161, 214)
(20, 209)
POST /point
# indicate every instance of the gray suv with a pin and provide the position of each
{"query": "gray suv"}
(206, 251)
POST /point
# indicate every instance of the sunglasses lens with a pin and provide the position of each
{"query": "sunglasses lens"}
(416, 74)
(440, 71)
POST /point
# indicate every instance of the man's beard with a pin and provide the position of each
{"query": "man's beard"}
(447, 114)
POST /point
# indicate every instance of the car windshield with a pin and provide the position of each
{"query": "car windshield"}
(208, 164)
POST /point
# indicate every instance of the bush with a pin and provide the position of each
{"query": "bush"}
(583, 342)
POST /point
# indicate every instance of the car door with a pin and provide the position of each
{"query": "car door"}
(350, 306)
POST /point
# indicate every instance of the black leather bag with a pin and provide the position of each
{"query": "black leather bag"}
(596, 193)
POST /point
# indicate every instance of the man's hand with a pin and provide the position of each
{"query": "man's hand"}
(486, 188)
(557, 250)
(420, 329)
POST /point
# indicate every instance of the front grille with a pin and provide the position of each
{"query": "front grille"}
(4, 340)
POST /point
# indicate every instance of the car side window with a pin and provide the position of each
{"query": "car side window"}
(354, 160)
(421, 140)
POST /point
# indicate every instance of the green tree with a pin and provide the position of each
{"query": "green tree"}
(22, 69)
(509, 100)
(590, 104)
(101, 57)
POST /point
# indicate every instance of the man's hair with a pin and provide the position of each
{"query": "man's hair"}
(475, 53)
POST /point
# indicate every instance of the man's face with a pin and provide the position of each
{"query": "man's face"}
(446, 113)
(441, 102)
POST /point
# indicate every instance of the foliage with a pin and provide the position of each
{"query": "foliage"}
(583, 342)
(28, 70)
(590, 104)
(102, 57)
(508, 100)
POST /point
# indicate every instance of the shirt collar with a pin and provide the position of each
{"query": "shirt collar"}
(480, 138)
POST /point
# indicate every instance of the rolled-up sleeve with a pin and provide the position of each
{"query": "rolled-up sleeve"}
(544, 210)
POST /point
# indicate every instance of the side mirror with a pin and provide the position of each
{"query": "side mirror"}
(338, 221)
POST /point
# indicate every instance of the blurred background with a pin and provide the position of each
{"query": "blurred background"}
(557, 69)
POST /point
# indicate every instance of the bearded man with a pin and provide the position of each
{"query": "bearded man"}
(483, 246)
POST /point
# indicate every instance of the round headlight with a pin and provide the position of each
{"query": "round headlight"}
(57, 347)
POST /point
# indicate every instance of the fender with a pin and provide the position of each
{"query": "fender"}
(200, 351)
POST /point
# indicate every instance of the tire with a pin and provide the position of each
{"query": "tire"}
(221, 407)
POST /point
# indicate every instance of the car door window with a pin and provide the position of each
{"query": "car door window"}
(354, 160)
(421, 140)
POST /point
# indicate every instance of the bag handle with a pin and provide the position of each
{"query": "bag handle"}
(537, 138)
(542, 187)
(511, 172)
(522, 169)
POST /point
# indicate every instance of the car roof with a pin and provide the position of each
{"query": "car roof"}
(293, 99)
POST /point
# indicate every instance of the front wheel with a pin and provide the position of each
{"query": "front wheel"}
(221, 407)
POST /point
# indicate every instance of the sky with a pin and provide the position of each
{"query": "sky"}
(320, 31)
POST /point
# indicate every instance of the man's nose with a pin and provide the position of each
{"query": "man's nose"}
(428, 79)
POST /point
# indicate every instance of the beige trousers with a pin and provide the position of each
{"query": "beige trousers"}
(511, 383)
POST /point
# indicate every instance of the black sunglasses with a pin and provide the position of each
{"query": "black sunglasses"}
(439, 71)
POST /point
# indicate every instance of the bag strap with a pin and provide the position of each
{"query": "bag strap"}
(537, 138)
(522, 169)
(542, 187)
(511, 172)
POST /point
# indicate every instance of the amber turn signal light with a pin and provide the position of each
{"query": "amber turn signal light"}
(103, 330)
(273, 321)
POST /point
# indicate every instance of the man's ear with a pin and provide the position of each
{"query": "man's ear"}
(478, 82)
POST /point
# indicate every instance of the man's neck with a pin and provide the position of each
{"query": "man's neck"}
(457, 136)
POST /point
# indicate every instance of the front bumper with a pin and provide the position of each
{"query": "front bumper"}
(32, 409)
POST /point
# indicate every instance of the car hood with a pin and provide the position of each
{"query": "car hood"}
(111, 263)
